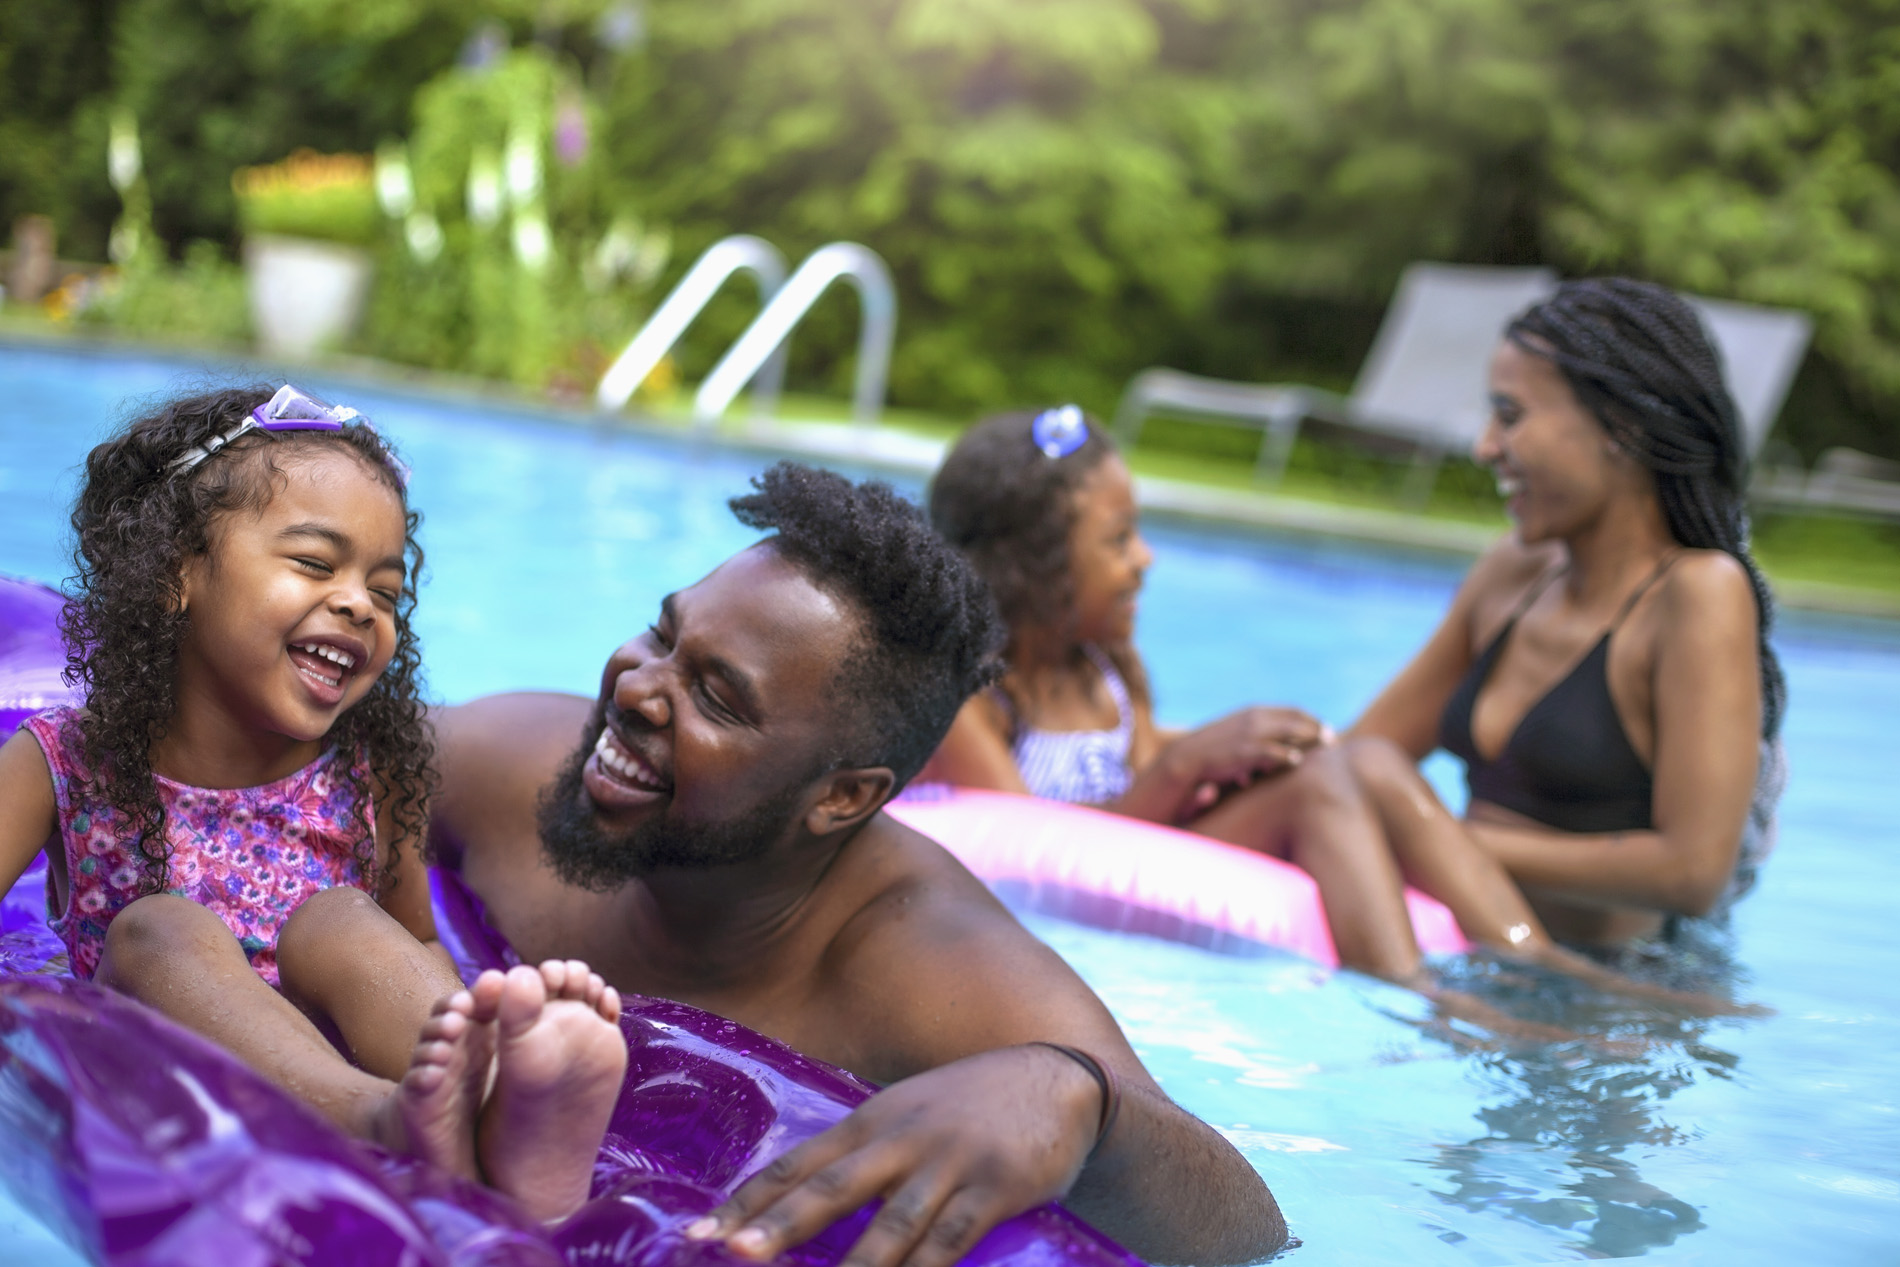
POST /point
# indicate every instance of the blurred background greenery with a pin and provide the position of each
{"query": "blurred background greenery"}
(1066, 190)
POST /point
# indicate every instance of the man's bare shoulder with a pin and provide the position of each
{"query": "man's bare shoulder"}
(941, 965)
(909, 881)
(515, 721)
(495, 753)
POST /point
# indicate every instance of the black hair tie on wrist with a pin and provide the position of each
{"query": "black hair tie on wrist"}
(1105, 1078)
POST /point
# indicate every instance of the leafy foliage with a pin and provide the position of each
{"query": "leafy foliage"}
(1067, 190)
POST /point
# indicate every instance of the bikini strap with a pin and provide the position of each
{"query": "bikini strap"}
(1629, 603)
(1531, 595)
(1536, 592)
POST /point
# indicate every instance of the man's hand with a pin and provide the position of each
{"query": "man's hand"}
(952, 1152)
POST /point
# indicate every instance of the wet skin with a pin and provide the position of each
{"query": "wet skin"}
(845, 935)
(291, 621)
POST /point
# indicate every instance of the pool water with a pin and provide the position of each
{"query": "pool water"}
(1387, 1139)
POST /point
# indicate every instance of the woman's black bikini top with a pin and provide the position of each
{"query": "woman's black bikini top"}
(1569, 764)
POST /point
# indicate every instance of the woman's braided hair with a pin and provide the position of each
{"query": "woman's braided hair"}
(1638, 359)
(136, 525)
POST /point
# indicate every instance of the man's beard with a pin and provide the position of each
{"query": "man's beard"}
(585, 854)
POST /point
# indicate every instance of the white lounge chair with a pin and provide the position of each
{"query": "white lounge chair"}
(1423, 382)
(1847, 481)
(1761, 350)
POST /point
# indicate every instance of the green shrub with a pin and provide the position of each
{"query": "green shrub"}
(331, 197)
(202, 299)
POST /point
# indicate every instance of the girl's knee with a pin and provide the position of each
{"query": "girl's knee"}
(154, 932)
(1378, 762)
(156, 921)
(326, 916)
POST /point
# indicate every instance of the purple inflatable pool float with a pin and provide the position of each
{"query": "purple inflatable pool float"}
(140, 1143)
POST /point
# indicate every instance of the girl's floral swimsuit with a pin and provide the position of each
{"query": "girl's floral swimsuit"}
(251, 854)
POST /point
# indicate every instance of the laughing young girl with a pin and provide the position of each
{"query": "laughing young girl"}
(233, 819)
(1045, 508)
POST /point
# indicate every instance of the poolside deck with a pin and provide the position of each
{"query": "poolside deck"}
(906, 453)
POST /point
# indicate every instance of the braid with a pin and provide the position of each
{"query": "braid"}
(1638, 359)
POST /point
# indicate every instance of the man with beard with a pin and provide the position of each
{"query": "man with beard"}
(716, 839)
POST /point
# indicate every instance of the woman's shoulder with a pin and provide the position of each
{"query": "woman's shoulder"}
(1707, 585)
(1708, 573)
(1509, 563)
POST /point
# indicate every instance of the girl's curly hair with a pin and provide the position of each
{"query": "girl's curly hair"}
(1010, 508)
(136, 524)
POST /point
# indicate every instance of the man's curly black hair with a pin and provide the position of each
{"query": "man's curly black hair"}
(931, 632)
(136, 524)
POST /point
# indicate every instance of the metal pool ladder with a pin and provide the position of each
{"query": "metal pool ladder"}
(758, 355)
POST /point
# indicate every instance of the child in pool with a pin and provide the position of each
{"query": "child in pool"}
(233, 821)
(1045, 508)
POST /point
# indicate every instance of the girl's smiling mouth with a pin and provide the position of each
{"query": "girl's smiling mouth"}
(325, 666)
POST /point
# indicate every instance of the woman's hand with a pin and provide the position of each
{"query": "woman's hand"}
(1191, 773)
(951, 1153)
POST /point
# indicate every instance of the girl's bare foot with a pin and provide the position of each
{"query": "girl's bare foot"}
(558, 1068)
(432, 1112)
(574, 980)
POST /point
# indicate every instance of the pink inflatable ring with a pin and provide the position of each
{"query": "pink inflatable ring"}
(1124, 874)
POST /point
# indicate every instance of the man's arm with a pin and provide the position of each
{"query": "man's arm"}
(981, 1126)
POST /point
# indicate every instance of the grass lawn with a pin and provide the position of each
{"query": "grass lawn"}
(1797, 550)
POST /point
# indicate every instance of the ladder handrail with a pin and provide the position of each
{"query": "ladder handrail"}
(709, 272)
(767, 337)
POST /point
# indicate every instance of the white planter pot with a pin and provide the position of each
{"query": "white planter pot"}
(306, 296)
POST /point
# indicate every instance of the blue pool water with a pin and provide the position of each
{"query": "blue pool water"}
(1762, 1141)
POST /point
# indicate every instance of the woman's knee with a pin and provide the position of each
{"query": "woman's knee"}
(1316, 800)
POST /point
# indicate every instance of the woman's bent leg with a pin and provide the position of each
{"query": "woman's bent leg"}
(1317, 818)
(342, 956)
(1437, 854)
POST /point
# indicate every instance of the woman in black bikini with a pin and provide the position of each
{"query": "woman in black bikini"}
(1604, 672)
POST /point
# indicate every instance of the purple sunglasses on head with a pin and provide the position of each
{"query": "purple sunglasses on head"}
(289, 410)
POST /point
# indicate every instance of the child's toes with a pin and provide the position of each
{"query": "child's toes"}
(485, 995)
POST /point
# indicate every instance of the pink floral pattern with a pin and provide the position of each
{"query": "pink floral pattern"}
(250, 855)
